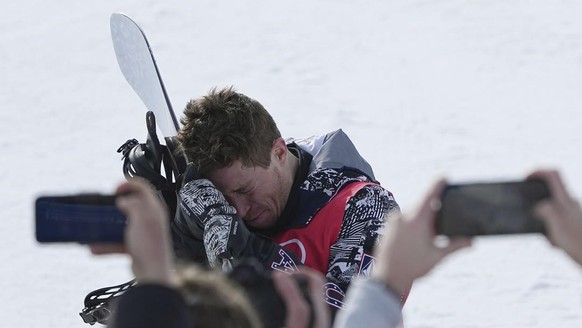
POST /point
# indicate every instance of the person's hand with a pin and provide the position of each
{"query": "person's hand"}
(147, 239)
(297, 307)
(224, 233)
(407, 250)
(561, 214)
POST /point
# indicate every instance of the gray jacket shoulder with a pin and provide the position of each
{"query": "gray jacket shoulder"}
(334, 150)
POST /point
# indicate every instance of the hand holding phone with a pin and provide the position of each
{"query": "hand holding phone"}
(474, 209)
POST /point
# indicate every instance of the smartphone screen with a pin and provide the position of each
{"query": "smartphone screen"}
(85, 219)
(491, 208)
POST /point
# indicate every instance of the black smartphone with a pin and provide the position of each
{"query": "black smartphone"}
(83, 218)
(495, 208)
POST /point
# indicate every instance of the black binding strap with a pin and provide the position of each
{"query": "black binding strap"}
(98, 303)
(145, 160)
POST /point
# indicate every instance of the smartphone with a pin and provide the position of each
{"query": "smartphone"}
(83, 218)
(475, 209)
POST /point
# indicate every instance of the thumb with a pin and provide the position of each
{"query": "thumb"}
(100, 249)
(454, 245)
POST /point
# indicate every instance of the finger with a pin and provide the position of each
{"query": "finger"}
(100, 249)
(131, 192)
(126, 195)
(456, 244)
(430, 204)
(546, 212)
(296, 306)
(124, 188)
(557, 187)
(316, 282)
(134, 186)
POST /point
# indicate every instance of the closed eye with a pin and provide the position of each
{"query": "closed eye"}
(244, 190)
(241, 190)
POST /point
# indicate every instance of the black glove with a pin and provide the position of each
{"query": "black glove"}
(224, 233)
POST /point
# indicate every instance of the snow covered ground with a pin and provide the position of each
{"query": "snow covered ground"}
(475, 90)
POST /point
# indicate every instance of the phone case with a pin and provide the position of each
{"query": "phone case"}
(84, 219)
(495, 208)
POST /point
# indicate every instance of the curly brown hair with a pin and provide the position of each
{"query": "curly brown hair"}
(225, 126)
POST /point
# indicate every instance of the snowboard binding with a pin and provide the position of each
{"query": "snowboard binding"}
(146, 160)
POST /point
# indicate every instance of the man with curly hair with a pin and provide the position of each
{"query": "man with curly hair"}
(283, 201)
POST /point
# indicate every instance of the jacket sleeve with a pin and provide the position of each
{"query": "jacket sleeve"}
(351, 255)
(371, 304)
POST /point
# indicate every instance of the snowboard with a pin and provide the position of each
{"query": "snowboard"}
(138, 65)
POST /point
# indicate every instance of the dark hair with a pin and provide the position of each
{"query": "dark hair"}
(225, 126)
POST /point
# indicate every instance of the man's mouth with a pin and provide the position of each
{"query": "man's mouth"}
(254, 218)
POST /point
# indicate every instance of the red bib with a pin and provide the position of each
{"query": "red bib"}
(312, 242)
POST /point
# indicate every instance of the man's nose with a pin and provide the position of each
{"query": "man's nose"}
(242, 206)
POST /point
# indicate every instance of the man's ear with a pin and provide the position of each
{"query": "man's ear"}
(279, 150)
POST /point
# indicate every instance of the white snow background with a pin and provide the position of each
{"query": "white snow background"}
(470, 90)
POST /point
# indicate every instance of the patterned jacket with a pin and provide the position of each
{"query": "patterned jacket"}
(336, 209)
